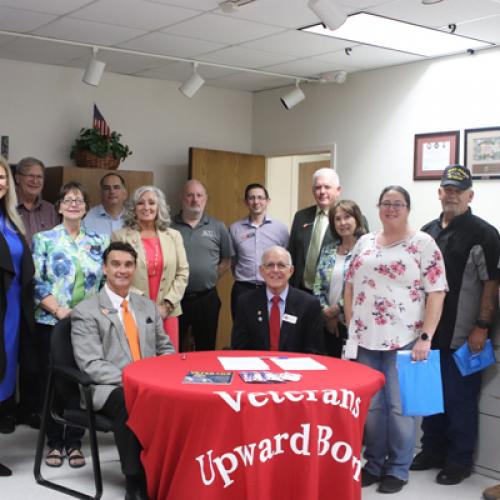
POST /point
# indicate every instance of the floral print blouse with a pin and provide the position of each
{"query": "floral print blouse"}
(390, 284)
(57, 256)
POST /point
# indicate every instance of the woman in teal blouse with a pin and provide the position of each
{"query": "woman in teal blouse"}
(68, 268)
(346, 225)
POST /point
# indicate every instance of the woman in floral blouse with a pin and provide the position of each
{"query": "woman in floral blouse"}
(393, 300)
(68, 268)
(346, 226)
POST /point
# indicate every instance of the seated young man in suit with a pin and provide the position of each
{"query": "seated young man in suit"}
(109, 331)
(278, 317)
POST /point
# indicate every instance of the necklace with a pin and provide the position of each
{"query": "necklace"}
(152, 267)
(344, 249)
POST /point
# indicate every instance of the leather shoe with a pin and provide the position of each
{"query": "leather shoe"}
(426, 461)
(136, 494)
(5, 471)
(492, 493)
(367, 478)
(390, 484)
(452, 474)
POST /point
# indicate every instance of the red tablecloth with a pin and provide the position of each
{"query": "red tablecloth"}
(295, 441)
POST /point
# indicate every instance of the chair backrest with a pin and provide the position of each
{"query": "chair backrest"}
(61, 354)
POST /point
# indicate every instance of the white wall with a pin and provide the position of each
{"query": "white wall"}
(43, 108)
(372, 120)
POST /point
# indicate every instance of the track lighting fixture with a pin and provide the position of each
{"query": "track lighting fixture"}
(294, 97)
(193, 84)
(330, 14)
(94, 71)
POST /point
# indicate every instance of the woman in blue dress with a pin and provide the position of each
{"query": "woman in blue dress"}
(16, 293)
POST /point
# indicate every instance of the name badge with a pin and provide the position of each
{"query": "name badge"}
(350, 349)
(290, 319)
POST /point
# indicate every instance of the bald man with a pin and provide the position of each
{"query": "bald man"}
(209, 251)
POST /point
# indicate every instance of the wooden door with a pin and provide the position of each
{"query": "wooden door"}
(306, 171)
(225, 175)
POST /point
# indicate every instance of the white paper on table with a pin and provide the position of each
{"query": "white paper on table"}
(243, 363)
(305, 363)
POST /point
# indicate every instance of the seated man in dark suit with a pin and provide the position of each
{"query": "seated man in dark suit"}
(278, 317)
(109, 331)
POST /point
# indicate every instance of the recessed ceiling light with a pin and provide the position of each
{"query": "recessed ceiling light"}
(388, 33)
(430, 2)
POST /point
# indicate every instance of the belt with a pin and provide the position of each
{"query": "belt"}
(249, 284)
(196, 295)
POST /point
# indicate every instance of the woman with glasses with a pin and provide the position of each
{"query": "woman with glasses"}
(346, 226)
(162, 267)
(394, 295)
(16, 298)
(68, 268)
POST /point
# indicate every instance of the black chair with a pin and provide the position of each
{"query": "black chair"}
(65, 379)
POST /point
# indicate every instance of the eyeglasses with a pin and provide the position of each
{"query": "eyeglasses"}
(33, 177)
(256, 198)
(386, 205)
(281, 266)
(72, 201)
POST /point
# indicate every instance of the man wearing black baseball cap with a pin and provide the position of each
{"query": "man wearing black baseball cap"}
(471, 252)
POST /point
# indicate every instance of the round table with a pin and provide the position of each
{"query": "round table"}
(296, 440)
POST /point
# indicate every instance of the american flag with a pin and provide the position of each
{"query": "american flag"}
(100, 123)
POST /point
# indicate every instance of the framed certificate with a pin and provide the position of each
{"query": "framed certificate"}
(482, 152)
(433, 153)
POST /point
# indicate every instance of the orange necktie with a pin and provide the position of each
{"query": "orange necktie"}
(131, 332)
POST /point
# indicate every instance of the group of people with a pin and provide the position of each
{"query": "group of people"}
(309, 291)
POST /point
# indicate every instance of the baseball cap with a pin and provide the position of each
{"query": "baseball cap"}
(458, 176)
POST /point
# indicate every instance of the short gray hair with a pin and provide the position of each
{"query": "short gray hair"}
(326, 172)
(28, 162)
(162, 221)
(276, 248)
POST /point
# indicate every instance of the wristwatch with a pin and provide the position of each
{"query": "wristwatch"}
(482, 323)
(424, 336)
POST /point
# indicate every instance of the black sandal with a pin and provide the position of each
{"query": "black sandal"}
(76, 459)
(54, 458)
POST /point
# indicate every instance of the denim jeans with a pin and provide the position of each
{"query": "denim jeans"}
(389, 436)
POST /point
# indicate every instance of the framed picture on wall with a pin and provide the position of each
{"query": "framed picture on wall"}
(482, 152)
(433, 153)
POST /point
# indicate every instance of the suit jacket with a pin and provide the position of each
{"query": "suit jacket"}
(251, 324)
(300, 238)
(100, 344)
(175, 270)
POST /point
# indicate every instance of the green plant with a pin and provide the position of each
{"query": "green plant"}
(101, 145)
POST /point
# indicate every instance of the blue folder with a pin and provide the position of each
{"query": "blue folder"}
(469, 362)
(420, 384)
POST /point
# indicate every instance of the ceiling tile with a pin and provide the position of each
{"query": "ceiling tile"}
(249, 82)
(182, 71)
(119, 62)
(22, 20)
(49, 6)
(246, 58)
(171, 45)
(41, 52)
(288, 14)
(302, 67)
(365, 57)
(298, 43)
(88, 31)
(204, 5)
(222, 29)
(134, 13)
(484, 29)
(440, 14)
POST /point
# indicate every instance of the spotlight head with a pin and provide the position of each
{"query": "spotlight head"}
(293, 98)
(334, 76)
(330, 14)
(94, 71)
(193, 84)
